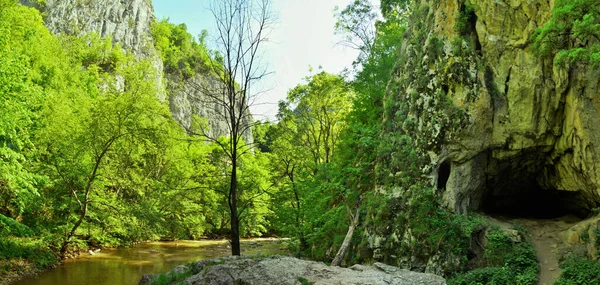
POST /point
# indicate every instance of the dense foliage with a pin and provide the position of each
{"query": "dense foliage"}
(573, 33)
(325, 150)
(302, 144)
(181, 53)
(90, 157)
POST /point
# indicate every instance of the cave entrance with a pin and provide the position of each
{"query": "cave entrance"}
(443, 175)
(534, 203)
(515, 190)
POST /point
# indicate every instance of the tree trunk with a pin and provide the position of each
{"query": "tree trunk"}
(303, 242)
(65, 246)
(235, 227)
(342, 251)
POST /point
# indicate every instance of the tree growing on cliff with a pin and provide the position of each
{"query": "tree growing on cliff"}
(572, 33)
(242, 29)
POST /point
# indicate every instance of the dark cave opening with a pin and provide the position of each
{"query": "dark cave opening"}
(514, 190)
(535, 203)
(468, 25)
(443, 175)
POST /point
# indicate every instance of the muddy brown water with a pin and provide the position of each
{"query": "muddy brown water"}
(127, 265)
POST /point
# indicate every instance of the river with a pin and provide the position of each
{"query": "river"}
(127, 265)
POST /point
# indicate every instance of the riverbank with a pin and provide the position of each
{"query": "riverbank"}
(127, 265)
(24, 255)
(15, 270)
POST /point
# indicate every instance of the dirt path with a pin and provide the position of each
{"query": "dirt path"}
(544, 235)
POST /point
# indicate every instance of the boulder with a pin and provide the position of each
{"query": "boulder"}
(289, 270)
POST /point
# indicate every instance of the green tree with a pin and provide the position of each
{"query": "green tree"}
(357, 24)
(86, 130)
(28, 65)
(306, 138)
(314, 113)
(181, 53)
(355, 162)
(572, 33)
(391, 8)
(288, 162)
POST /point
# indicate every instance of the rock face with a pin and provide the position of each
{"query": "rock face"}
(495, 128)
(128, 22)
(532, 133)
(187, 100)
(507, 125)
(290, 271)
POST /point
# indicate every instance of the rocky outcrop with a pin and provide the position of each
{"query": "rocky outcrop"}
(532, 132)
(292, 271)
(187, 98)
(128, 23)
(508, 125)
(495, 127)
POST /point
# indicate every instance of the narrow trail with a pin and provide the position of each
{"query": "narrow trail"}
(544, 236)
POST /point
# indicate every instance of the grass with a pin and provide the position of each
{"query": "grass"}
(28, 249)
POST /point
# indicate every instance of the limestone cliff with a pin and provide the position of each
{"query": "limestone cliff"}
(128, 23)
(496, 128)
(512, 122)
(186, 99)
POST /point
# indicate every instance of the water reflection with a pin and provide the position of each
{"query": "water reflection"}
(127, 265)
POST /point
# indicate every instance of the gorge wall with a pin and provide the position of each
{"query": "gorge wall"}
(128, 23)
(499, 120)
(496, 128)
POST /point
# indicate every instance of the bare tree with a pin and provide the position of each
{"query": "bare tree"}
(357, 23)
(243, 27)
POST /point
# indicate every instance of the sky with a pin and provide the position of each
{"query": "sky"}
(302, 37)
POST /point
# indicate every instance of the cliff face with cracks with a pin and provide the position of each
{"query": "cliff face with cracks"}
(128, 23)
(532, 128)
(497, 128)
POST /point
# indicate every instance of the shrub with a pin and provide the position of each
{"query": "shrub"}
(509, 263)
(579, 271)
(36, 251)
(10, 227)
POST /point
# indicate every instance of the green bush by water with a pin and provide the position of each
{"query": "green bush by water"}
(28, 249)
